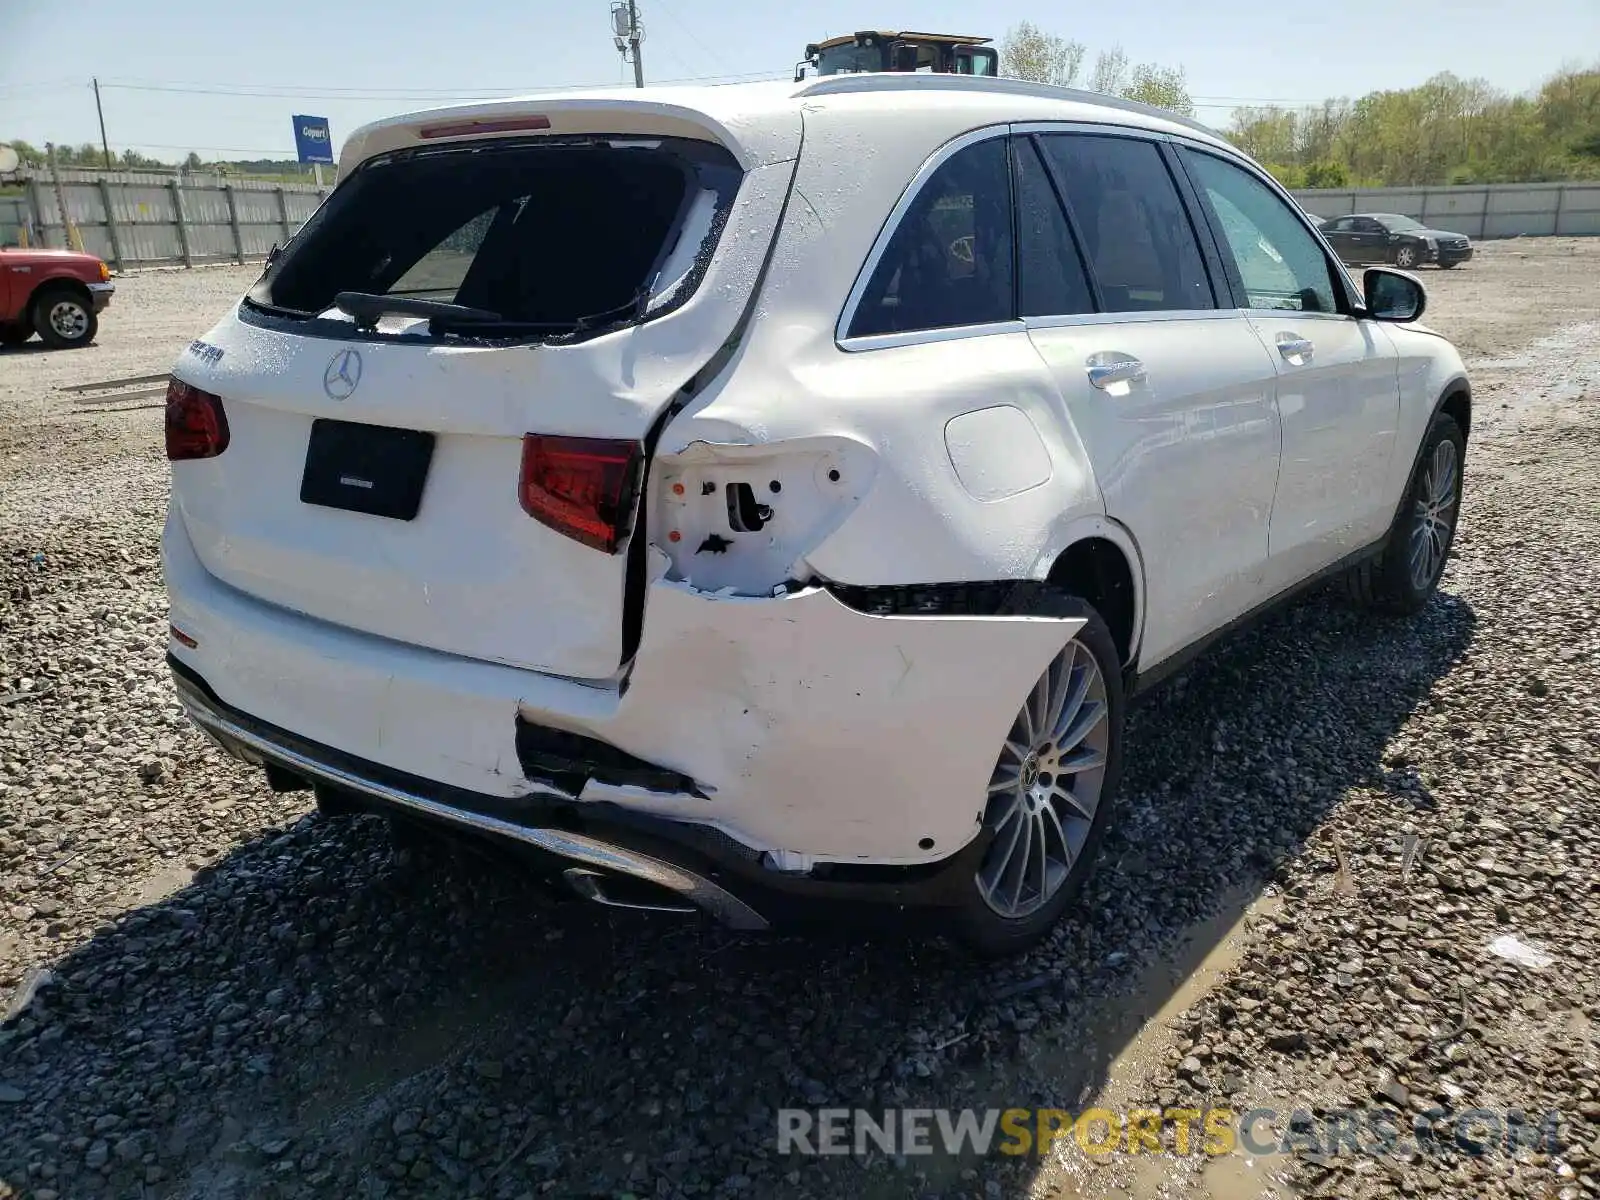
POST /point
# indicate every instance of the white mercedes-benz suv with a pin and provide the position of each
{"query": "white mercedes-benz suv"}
(764, 500)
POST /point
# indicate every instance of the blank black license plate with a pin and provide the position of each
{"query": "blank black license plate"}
(366, 468)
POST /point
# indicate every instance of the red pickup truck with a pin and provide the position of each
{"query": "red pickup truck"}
(57, 294)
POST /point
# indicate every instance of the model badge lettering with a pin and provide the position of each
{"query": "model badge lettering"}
(352, 481)
(205, 352)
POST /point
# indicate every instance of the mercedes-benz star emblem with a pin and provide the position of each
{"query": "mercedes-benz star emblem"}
(343, 375)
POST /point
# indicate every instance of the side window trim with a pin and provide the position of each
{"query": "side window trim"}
(1226, 285)
(1073, 227)
(1349, 304)
(880, 246)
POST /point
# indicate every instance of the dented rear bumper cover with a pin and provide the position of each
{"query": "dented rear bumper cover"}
(791, 731)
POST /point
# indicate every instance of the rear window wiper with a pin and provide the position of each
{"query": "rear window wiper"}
(632, 311)
(367, 307)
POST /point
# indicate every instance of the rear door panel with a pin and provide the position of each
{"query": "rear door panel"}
(1185, 448)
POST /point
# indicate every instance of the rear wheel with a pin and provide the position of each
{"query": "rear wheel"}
(1405, 257)
(1403, 579)
(65, 318)
(1050, 794)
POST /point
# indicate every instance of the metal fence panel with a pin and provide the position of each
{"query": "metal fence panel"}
(301, 205)
(257, 207)
(144, 218)
(212, 241)
(1580, 210)
(206, 205)
(150, 243)
(1499, 210)
(259, 239)
(13, 219)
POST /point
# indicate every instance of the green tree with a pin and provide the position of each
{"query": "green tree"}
(1163, 87)
(29, 154)
(1110, 72)
(1028, 52)
(1326, 174)
(1444, 130)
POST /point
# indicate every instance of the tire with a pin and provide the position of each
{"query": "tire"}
(65, 318)
(1394, 582)
(991, 922)
(1406, 257)
(15, 335)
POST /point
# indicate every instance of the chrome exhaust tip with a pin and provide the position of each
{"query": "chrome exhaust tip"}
(592, 885)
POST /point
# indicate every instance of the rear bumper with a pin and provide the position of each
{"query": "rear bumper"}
(591, 846)
(790, 735)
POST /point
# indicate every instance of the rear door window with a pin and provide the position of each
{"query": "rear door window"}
(1137, 236)
(555, 238)
(1052, 280)
(948, 262)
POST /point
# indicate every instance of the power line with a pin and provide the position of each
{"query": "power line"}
(692, 35)
(278, 153)
(272, 91)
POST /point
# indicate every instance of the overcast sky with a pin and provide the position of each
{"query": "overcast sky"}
(356, 60)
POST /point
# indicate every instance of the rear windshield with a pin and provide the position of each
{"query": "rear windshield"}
(554, 239)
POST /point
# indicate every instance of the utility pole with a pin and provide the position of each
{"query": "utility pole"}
(105, 146)
(635, 38)
(627, 33)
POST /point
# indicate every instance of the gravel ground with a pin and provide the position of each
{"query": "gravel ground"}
(214, 992)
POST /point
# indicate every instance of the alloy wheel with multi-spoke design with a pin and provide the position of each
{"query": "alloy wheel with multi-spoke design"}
(69, 319)
(1434, 515)
(1047, 786)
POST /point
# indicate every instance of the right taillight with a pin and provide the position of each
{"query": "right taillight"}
(582, 487)
(196, 425)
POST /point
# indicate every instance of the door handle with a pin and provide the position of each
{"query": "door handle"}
(1108, 369)
(1293, 346)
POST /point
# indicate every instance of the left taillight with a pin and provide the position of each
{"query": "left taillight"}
(582, 487)
(196, 425)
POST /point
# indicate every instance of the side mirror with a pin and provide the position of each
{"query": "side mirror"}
(1393, 295)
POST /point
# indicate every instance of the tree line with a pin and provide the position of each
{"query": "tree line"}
(92, 157)
(1028, 52)
(1447, 130)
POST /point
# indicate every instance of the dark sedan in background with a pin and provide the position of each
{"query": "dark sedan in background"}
(1391, 238)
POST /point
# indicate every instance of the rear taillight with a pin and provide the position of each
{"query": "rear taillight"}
(196, 425)
(582, 487)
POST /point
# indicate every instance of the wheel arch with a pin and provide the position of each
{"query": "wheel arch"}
(1456, 399)
(1097, 560)
(57, 283)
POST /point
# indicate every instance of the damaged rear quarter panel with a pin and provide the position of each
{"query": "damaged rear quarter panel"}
(789, 379)
(825, 731)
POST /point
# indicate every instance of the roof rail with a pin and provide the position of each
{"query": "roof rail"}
(833, 85)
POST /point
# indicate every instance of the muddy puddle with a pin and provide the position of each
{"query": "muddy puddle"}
(1143, 1029)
